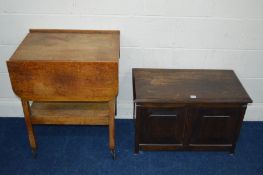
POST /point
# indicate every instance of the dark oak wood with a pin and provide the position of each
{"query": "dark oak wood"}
(187, 109)
(71, 76)
(176, 86)
(162, 125)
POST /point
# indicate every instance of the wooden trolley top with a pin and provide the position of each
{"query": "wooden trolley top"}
(80, 45)
(66, 65)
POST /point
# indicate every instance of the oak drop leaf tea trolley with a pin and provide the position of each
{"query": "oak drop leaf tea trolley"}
(67, 77)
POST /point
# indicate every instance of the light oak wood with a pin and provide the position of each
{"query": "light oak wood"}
(111, 107)
(70, 113)
(30, 130)
(70, 75)
(66, 65)
(117, 32)
(63, 80)
(74, 45)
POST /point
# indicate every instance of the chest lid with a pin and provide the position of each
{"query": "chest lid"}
(188, 86)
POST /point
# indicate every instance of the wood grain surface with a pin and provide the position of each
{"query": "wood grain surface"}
(64, 81)
(74, 45)
(187, 109)
(70, 113)
(188, 86)
(70, 75)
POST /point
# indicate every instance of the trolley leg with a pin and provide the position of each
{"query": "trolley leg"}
(113, 154)
(30, 130)
(112, 128)
(115, 106)
(34, 153)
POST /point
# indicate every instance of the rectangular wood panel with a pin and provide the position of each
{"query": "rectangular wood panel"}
(162, 125)
(70, 113)
(74, 45)
(188, 86)
(64, 81)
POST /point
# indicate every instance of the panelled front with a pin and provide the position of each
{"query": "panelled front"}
(188, 109)
(186, 126)
(214, 125)
(161, 125)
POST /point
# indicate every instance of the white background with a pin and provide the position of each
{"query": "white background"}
(217, 34)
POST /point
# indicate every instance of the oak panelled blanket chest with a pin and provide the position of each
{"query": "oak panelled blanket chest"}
(187, 109)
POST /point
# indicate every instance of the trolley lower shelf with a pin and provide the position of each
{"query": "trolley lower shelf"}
(68, 113)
